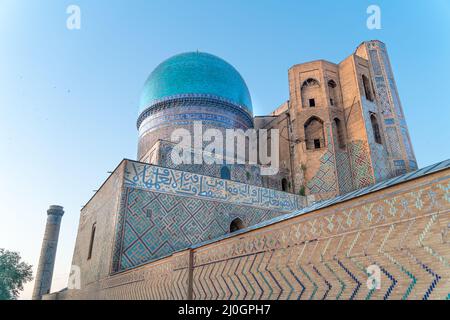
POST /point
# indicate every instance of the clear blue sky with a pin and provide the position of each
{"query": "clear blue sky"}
(69, 99)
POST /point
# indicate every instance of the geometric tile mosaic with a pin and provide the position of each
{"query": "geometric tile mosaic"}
(393, 141)
(152, 225)
(383, 95)
(386, 90)
(324, 179)
(375, 62)
(361, 164)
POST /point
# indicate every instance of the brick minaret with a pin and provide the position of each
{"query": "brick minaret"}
(44, 273)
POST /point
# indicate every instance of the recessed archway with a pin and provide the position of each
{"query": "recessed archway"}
(314, 134)
(225, 173)
(284, 184)
(339, 133)
(310, 91)
(375, 129)
(236, 224)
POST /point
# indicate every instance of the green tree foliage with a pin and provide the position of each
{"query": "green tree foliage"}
(13, 274)
(302, 191)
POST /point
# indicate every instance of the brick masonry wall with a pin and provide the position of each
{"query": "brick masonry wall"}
(320, 255)
(101, 210)
(324, 254)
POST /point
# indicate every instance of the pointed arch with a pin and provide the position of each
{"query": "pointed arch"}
(339, 132)
(367, 88)
(310, 92)
(332, 92)
(236, 224)
(284, 185)
(314, 133)
(310, 82)
(375, 128)
(91, 242)
(225, 173)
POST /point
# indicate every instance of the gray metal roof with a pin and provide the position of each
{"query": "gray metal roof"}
(326, 203)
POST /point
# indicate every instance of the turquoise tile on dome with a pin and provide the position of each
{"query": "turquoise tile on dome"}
(195, 73)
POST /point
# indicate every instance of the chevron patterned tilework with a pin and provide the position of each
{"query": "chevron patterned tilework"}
(166, 279)
(344, 172)
(320, 255)
(325, 256)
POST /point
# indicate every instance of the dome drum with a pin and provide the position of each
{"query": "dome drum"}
(199, 102)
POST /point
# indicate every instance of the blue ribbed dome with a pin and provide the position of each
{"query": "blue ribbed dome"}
(195, 73)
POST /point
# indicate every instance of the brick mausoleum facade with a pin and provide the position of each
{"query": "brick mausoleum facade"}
(317, 253)
(348, 195)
